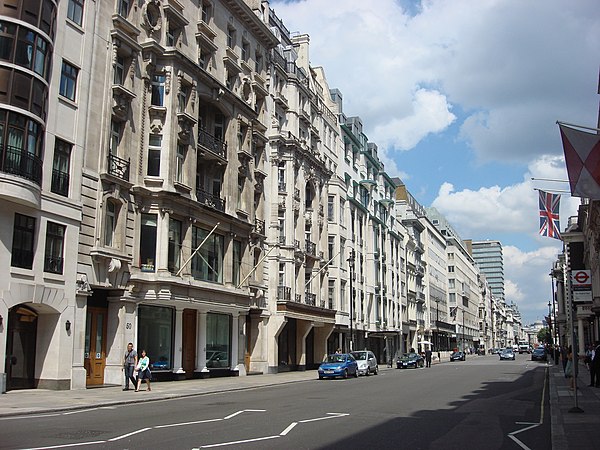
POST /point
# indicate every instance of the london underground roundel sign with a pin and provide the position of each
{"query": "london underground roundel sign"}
(581, 278)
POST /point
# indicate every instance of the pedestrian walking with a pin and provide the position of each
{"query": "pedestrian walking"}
(143, 368)
(129, 363)
(428, 357)
(595, 367)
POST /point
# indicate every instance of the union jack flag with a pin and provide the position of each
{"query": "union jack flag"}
(549, 221)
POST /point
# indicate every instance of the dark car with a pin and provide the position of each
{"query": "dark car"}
(411, 359)
(458, 356)
(507, 353)
(539, 354)
(338, 365)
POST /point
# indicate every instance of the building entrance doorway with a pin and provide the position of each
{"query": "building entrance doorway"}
(94, 358)
(20, 348)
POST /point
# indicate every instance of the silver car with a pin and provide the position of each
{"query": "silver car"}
(367, 362)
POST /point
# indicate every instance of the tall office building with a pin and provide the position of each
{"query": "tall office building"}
(488, 255)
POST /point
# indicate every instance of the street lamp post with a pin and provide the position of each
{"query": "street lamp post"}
(550, 340)
(351, 265)
(437, 326)
(463, 331)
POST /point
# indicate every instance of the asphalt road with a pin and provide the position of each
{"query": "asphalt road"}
(476, 404)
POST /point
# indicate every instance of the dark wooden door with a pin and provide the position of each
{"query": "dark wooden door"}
(189, 342)
(95, 345)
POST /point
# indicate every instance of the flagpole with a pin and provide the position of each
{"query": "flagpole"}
(578, 126)
(552, 190)
(550, 179)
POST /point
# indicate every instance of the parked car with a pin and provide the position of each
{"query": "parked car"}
(458, 356)
(507, 353)
(367, 362)
(539, 354)
(411, 359)
(338, 365)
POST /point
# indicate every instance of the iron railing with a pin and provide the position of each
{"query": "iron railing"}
(210, 200)
(18, 161)
(212, 143)
(118, 167)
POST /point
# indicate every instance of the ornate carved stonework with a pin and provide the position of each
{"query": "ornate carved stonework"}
(152, 16)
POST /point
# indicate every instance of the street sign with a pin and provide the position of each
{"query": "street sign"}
(581, 283)
(581, 278)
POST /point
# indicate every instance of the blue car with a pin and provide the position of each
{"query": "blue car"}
(338, 365)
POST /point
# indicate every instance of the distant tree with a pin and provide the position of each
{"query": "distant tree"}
(545, 336)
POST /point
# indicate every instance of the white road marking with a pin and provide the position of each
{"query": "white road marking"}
(243, 410)
(187, 423)
(67, 445)
(129, 434)
(223, 444)
(288, 429)
(79, 411)
(331, 416)
(531, 424)
(283, 433)
(37, 416)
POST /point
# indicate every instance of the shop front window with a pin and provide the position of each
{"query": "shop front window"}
(218, 342)
(155, 335)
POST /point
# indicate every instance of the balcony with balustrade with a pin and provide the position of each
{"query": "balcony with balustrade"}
(211, 148)
(210, 200)
(20, 175)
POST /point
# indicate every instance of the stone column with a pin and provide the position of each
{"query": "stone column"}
(201, 345)
(303, 328)
(177, 356)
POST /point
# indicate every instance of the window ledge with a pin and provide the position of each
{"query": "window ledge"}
(55, 277)
(22, 273)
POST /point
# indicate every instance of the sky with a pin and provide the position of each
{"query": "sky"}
(462, 98)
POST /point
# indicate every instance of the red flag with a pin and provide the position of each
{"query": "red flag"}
(582, 156)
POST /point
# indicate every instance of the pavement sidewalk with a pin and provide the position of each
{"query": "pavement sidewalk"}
(572, 429)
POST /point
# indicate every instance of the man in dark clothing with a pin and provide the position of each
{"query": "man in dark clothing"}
(595, 367)
(428, 357)
(129, 362)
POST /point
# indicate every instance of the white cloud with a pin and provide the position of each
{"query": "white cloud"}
(492, 210)
(514, 71)
(527, 279)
